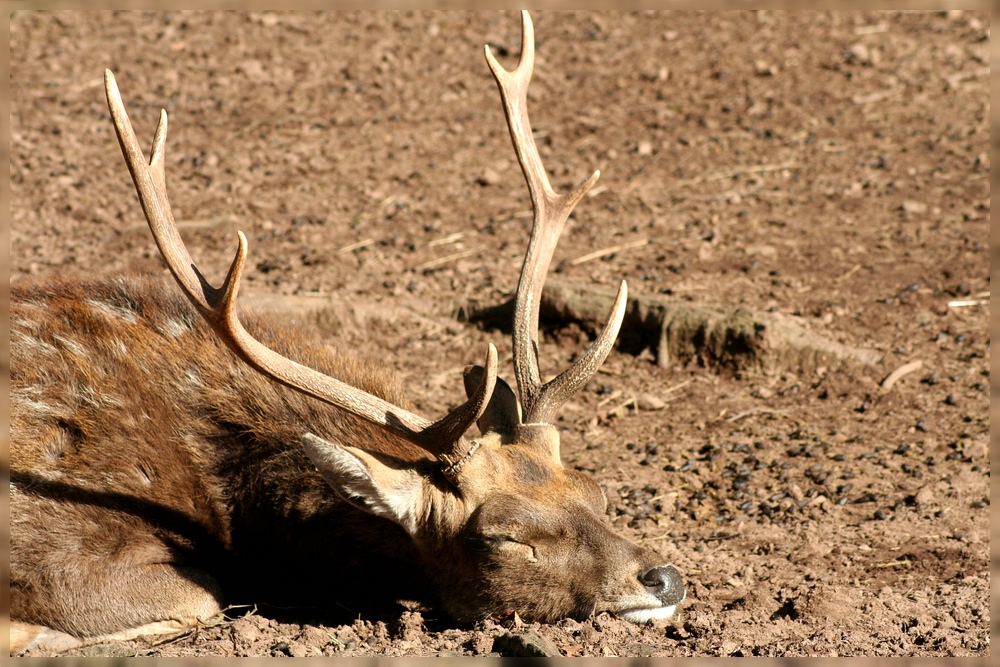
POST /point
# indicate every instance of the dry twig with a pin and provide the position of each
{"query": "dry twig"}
(893, 377)
(977, 300)
(445, 240)
(754, 411)
(850, 272)
(434, 263)
(355, 246)
(604, 252)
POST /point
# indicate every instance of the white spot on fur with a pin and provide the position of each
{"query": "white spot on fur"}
(27, 391)
(71, 345)
(118, 347)
(176, 328)
(193, 377)
(53, 451)
(19, 323)
(111, 311)
(48, 474)
(23, 399)
(31, 344)
(100, 399)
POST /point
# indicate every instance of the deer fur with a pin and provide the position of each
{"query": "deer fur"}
(156, 476)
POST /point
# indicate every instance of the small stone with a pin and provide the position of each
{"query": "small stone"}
(924, 496)
(729, 647)
(860, 53)
(245, 631)
(482, 645)
(976, 449)
(488, 177)
(111, 650)
(313, 637)
(253, 69)
(639, 650)
(524, 645)
(645, 148)
(916, 207)
(298, 650)
(650, 402)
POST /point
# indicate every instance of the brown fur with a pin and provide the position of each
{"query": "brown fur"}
(146, 441)
(152, 470)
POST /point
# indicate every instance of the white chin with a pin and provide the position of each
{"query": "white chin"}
(641, 616)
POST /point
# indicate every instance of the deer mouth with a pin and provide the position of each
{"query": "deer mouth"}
(643, 615)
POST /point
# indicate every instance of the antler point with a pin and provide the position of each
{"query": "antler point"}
(110, 86)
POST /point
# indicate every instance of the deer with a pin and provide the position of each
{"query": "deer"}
(171, 451)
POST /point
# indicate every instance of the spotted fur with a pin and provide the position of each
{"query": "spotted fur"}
(155, 476)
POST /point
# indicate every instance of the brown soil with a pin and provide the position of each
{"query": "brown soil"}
(829, 166)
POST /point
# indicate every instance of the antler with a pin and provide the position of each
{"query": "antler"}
(443, 438)
(539, 401)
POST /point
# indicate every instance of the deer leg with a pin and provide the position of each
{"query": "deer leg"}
(121, 604)
(24, 636)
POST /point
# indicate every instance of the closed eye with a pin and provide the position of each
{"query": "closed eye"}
(497, 541)
(510, 548)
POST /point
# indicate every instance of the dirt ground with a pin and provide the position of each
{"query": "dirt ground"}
(829, 166)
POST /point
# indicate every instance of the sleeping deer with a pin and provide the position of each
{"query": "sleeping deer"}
(169, 450)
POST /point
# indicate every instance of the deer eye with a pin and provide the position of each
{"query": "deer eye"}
(511, 548)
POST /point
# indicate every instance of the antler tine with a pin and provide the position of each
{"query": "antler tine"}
(562, 387)
(551, 211)
(443, 438)
(150, 184)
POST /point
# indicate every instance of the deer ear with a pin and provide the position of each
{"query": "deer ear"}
(501, 415)
(383, 486)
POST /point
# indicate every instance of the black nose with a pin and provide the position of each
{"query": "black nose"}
(664, 581)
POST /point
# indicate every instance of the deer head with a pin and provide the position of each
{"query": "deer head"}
(501, 524)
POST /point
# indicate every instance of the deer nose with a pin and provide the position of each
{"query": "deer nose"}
(664, 581)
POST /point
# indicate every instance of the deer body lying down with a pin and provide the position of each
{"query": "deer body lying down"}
(165, 450)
